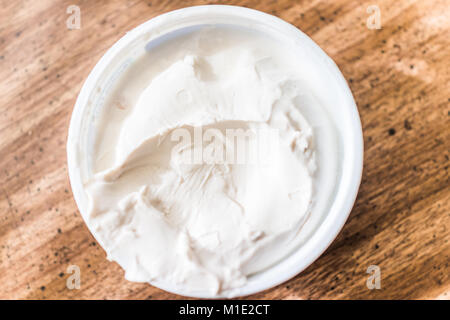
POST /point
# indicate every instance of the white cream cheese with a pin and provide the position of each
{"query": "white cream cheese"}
(203, 226)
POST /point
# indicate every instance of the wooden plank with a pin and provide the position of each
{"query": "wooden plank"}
(400, 78)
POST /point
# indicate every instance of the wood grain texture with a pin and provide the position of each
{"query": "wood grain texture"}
(399, 76)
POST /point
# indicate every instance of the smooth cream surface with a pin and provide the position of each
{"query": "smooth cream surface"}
(203, 226)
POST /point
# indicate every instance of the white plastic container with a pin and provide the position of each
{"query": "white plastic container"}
(337, 102)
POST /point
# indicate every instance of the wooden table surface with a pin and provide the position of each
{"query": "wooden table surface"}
(398, 74)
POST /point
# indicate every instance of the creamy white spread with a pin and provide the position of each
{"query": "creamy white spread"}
(202, 225)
